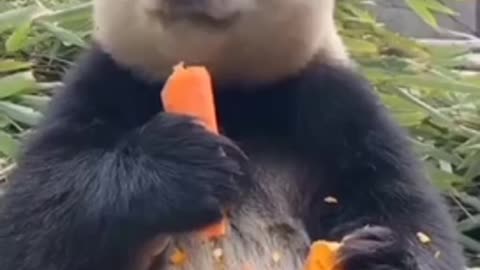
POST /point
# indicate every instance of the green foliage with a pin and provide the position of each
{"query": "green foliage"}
(435, 102)
(426, 9)
(38, 41)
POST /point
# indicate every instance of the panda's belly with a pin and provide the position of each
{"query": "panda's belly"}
(266, 232)
(255, 242)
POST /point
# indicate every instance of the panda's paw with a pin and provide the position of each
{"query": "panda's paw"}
(200, 173)
(375, 248)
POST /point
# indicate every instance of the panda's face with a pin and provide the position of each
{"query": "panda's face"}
(236, 39)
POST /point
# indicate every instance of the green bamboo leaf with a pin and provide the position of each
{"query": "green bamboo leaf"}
(436, 83)
(8, 145)
(9, 65)
(408, 119)
(437, 153)
(422, 9)
(66, 36)
(19, 38)
(474, 167)
(443, 180)
(16, 83)
(360, 46)
(469, 223)
(16, 17)
(22, 114)
(4, 121)
(439, 7)
(78, 13)
(35, 102)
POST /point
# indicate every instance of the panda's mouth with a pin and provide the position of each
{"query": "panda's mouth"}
(197, 18)
(211, 13)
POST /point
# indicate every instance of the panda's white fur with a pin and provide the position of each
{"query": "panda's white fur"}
(137, 34)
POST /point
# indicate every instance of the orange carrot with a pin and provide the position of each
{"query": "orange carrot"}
(178, 258)
(189, 91)
(216, 230)
(323, 256)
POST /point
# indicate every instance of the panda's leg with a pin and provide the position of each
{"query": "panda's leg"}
(90, 196)
(366, 164)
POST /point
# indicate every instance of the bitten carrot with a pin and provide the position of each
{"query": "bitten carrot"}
(215, 231)
(189, 91)
(323, 256)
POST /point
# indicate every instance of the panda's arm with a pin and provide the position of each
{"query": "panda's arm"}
(366, 163)
(89, 196)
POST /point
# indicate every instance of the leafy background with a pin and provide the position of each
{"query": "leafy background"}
(426, 87)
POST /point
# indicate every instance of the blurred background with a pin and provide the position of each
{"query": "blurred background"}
(423, 56)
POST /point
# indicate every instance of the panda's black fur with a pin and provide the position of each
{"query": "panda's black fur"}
(109, 181)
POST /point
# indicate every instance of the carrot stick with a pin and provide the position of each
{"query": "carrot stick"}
(189, 91)
(323, 256)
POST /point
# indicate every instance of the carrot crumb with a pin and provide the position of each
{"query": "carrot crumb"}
(178, 258)
(331, 199)
(424, 239)
(323, 256)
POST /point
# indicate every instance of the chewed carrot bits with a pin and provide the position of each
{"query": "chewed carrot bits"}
(276, 257)
(424, 239)
(331, 199)
(189, 91)
(323, 256)
(218, 254)
(178, 258)
(216, 231)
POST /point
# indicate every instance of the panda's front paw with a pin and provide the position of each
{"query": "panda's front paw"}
(198, 174)
(375, 248)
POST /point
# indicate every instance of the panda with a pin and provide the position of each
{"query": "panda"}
(109, 181)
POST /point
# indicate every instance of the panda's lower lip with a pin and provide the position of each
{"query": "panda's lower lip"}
(198, 18)
(213, 22)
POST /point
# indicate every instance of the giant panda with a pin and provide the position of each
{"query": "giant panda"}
(109, 181)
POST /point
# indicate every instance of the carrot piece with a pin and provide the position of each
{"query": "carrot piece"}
(189, 91)
(216, 230)
(178, 258)
(323, 256)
